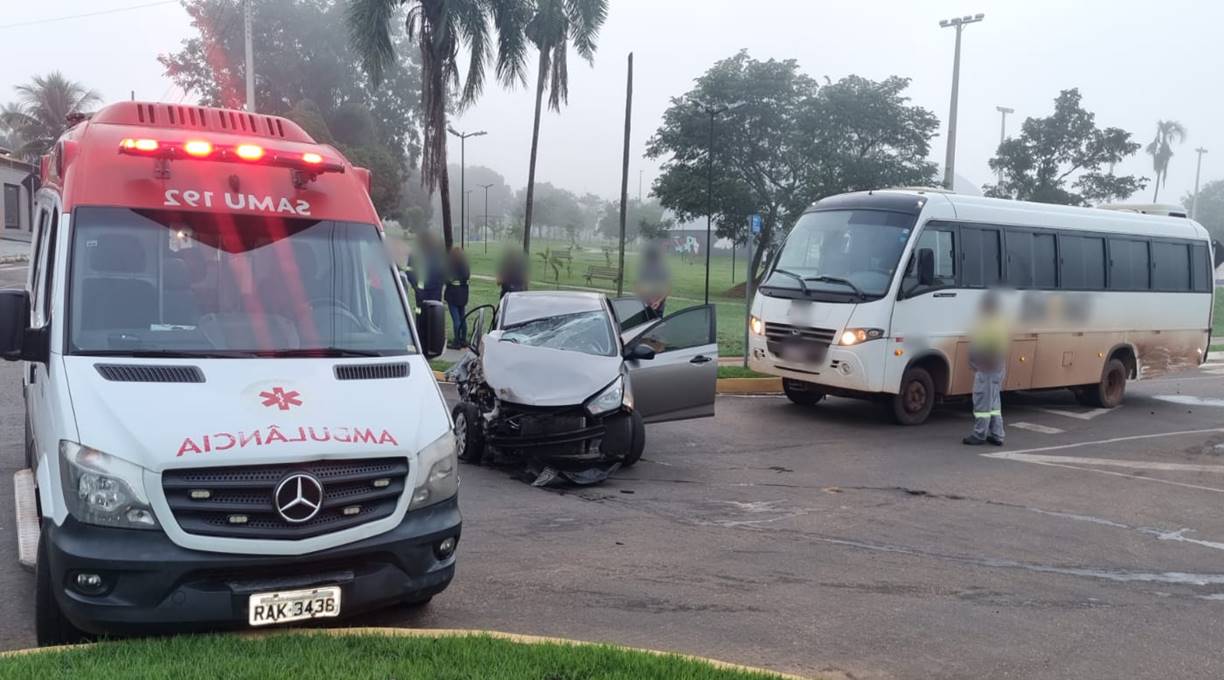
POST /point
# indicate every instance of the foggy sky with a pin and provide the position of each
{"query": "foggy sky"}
(1135, 62)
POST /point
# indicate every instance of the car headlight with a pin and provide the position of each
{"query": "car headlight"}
(102, 489)
(441, 481)
(853, 336)
(610, 399)
(756, 325)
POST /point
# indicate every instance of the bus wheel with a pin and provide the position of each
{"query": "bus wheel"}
(1110, 391)
(802, 393)
(916, 399)
(469, 439)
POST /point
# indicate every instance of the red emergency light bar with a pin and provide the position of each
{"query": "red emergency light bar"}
(199, 149)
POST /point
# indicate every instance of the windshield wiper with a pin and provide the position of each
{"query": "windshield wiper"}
(793, 275)
(326, 352)
(167, 353)
(837, 279)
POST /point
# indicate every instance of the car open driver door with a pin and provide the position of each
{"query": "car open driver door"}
(678, 382)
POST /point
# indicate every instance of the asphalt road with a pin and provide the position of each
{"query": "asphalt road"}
(822, 539)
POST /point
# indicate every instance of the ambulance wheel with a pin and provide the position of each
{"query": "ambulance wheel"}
(1109, 392)
(419, 602)
(29, 446)
(638, 443)
(469, 439)
(913, 404)
(51, 627)
(801, 393)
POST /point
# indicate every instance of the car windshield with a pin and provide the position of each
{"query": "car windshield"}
(146, 282)
(840, 253)
(589, 332)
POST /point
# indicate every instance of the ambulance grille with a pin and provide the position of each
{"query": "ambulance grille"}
(205, 501)
(150, 374)
(371, 371)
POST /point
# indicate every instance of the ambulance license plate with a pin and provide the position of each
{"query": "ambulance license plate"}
(293, 605)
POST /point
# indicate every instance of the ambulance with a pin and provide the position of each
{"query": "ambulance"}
(230, 416)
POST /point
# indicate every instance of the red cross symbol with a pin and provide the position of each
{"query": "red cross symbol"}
(281, 399)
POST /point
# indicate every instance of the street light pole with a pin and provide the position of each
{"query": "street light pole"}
(713, 112)
(1003, 111)
(463, 137)
(950, 158)
(486, 219)
(467, 203)
(1198, 171)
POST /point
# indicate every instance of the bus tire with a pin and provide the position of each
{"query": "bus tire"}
(913, 404)
(1109, 392)
(802, 393)
(51, 627)
(469, 437)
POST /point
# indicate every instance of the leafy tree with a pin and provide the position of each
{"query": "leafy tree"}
(553, 24)
(1210, 211)
(555, 208)
(1062, 158)
(643, 219)
(416, 210)
(306, 71)
(501, 196)
(784, 143)
(1168, 132)
(40, 114)
(440, 28)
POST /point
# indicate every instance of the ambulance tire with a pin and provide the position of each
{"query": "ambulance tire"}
(51, 627)
(638, 442)
(469, 438)
(418, 602)
(29, 446)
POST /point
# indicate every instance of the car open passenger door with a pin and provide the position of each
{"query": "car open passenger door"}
(679, 382)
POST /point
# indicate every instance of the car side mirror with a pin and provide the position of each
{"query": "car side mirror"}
(926, 267)
(14, 324)
(431, 326)
(639, 351)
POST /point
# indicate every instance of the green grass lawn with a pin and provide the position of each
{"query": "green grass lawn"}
(688, 282)
(305, 657)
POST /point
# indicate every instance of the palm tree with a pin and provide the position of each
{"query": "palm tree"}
(551, 28)
(1161, 150)
(40, 114)
(440, 28)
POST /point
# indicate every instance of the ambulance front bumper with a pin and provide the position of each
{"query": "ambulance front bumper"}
(153, 585)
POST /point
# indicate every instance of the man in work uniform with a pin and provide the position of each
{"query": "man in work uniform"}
(988, 359)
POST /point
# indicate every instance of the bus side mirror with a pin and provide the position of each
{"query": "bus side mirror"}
(14, 323)
(926, 267)
(431, 326)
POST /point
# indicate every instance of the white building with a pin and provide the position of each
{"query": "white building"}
(18, 181)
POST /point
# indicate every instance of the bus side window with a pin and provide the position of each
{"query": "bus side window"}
(981, 256)
(942, 243)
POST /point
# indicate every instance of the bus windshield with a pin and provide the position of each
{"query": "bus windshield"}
(163, 283)
(841, 254)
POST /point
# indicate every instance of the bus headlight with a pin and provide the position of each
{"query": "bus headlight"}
(104, 490)
(756, 325)
(441, 478)
(854, 336)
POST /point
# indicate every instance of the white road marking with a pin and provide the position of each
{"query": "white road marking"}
(1107, 462)
(1190, 400)
(1114, 440)
(1079, 415)
(1034, 427)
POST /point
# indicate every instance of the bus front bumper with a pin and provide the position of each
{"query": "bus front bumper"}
(154, 585)
(842, 370)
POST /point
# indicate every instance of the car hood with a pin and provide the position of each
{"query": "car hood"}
(541, 376)
(254, 411)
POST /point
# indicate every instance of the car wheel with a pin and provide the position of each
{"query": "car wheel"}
(802, 393)
(1109, 392)
(51, 627)
(637, 443)
(469, 437)
(916, 399)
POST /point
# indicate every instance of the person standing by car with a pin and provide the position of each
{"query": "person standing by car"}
(432, 275)
(654, 279)
(458, 274)
(988, 357)
(512, 273)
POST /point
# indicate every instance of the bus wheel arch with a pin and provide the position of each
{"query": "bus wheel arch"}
(1125, 352)
(1120, 364)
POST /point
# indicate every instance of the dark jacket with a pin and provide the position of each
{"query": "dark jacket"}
(432, 275)
(457, 284)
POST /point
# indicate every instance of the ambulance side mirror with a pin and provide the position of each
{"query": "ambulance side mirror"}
(15, 331)
(431, 326)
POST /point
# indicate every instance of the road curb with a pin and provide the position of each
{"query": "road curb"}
(13, 259)
(461, 632)
(724, 386)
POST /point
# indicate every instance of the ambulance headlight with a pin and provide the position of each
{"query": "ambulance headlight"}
(610, 399)
(104, 490)
(441, 478)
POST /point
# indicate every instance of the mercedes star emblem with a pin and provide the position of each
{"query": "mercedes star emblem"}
(298, 498)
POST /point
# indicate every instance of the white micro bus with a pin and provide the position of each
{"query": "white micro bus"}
(873, 295)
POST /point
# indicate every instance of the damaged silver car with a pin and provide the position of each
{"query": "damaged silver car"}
(564, 382)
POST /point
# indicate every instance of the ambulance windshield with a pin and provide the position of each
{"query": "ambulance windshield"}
(162, 283)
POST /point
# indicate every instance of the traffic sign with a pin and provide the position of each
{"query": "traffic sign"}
(755, 222)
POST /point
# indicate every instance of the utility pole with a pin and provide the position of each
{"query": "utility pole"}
(463, 137)
(250, 60)
(624, 197)
(486, 219)
(1198, 171)
(640, 186)
(467, 203)
(1003, 111)
(713, 112)
(950, 159)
